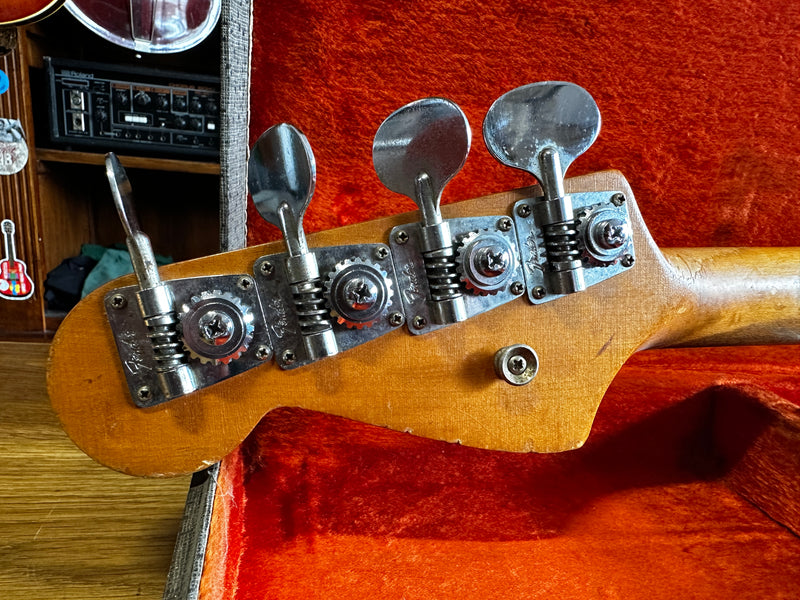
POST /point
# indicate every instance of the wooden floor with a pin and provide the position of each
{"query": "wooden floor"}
(70, 528)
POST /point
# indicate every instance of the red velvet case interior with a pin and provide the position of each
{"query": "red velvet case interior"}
(700, 112)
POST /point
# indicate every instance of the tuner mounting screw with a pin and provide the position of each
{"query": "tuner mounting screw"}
(618, 199)
(244, 283)
(263, 353)
(504, 224)
(539, 292)
(627, 260)
(144, 393)
(381, 252)
(419, 322)
(524, 210)
(288, 357)
(401, 237)
(396, 319)
(118, 301)
(267, 269)
(516, 364)
(517, 288)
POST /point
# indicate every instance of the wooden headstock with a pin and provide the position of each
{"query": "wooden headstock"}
(440, 385)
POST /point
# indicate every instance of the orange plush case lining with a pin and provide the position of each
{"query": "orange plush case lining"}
(689, 483)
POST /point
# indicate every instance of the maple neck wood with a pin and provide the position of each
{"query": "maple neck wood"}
(440, 385)
(734, 297)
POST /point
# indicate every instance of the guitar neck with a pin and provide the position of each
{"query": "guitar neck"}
(11, 251)
(734, 296)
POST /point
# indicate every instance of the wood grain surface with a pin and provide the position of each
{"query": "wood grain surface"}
(440, 385)
(70, 528)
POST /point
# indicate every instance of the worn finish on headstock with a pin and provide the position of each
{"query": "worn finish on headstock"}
(441, 385)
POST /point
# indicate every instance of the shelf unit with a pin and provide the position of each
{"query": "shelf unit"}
(61, 199)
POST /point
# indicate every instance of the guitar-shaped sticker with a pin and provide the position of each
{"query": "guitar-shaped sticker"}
(14, 281)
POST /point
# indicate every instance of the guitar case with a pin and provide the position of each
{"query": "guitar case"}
(689, 485)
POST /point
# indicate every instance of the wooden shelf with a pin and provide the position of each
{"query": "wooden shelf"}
(133, 162)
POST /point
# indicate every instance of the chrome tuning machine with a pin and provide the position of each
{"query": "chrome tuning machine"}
(568, 241)
(282, 176)
(177, 336)
(316, 303)
(448, 270)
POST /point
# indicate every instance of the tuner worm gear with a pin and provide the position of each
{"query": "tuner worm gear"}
(217, 327)
(487, 261)
(358, 292)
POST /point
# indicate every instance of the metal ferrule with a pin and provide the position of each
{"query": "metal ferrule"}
(554, 210)
(320, 344)
(302, 267)
(435, 237)
(178, 381)
(450, 310)
(155, 301)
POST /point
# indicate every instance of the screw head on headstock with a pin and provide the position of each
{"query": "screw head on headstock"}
(522, 123)
(281, 176)
(419, 148)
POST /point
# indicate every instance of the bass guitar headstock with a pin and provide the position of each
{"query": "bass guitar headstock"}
(497, 322)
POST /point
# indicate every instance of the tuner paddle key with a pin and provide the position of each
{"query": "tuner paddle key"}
(156, 303)
(417, 150)
(541, 128)
(281, 177)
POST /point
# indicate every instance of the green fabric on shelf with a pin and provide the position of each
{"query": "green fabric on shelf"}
(111, 263)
